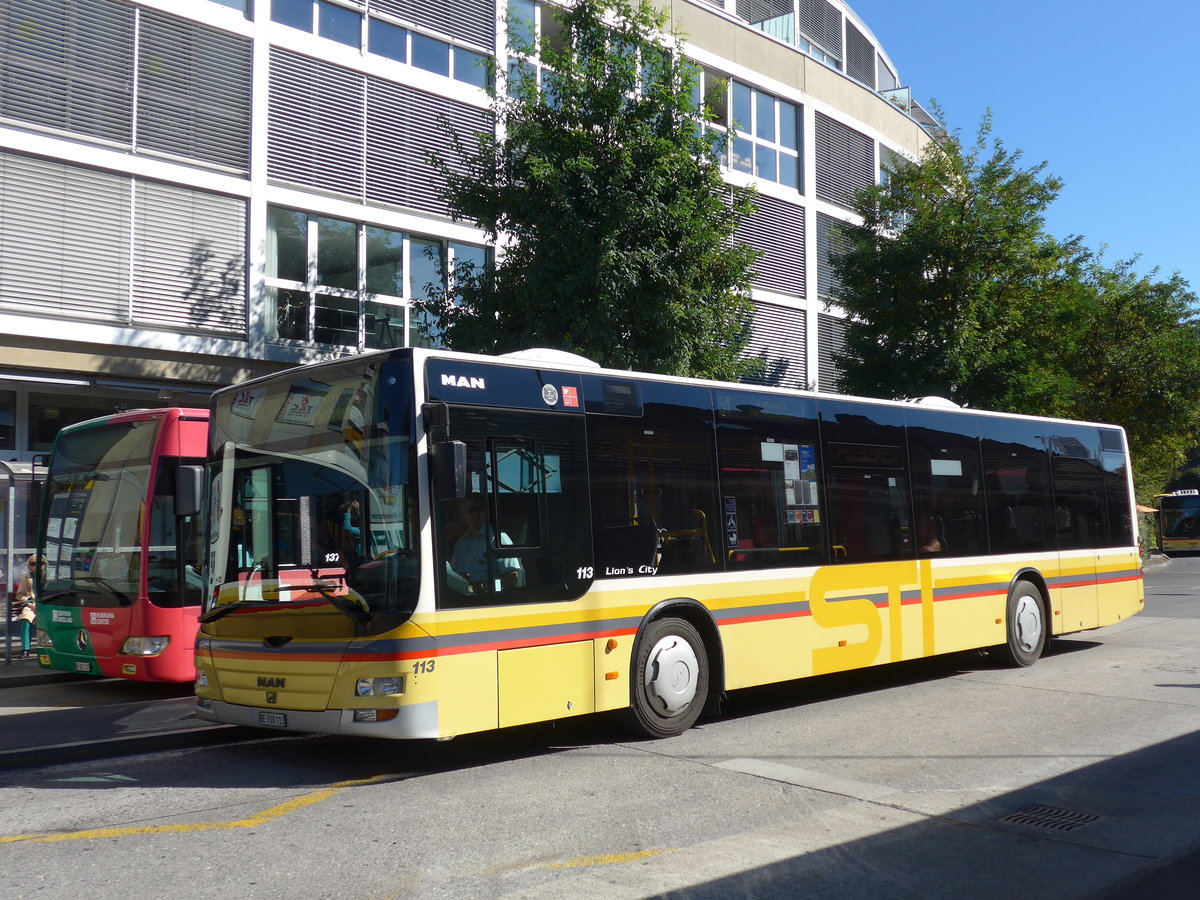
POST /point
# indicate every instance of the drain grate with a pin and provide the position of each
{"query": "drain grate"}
(1050, 817)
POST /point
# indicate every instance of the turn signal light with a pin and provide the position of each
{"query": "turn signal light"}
(374, 715)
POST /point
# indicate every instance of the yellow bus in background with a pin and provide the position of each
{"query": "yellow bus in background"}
(422, 544)
(1179, 521)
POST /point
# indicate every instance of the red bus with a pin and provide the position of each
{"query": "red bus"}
(120, 591)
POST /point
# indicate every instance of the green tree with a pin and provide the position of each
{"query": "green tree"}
(953, 288)
(604, 194)
(945, 280)
(1132, 354)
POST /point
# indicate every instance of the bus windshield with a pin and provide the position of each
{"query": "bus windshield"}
(1181, 516)
(311, 494)
(97, 489)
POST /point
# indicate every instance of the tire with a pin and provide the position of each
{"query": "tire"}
(1025, 624)
(670, 679)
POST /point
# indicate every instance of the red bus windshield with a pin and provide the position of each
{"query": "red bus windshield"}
(100, 513)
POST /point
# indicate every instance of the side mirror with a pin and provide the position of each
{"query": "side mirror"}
(448, 469)
(189, 491)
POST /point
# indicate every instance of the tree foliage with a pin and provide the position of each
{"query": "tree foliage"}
(615, 227)
(953, 288)
(1131, 348)
(944, 276)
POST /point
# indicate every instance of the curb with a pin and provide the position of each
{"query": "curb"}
(39, 676)
(83, 751)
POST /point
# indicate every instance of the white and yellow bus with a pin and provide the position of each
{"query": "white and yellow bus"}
(1179, 521)
(421, 544)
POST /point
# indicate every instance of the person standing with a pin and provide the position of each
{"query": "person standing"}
(26, 604)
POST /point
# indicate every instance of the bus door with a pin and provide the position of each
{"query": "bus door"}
(520, 536)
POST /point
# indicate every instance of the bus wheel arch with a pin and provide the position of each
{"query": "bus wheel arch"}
(1026, 620)
(677, 669)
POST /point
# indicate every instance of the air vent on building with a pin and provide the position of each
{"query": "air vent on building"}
(845, 161)
(776, 230)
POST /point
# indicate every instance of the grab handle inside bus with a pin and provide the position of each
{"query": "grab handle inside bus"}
(189, 491)
(448, 469)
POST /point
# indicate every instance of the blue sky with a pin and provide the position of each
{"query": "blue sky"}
(1105, 92)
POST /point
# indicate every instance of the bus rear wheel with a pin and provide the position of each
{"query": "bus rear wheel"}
(670, 679)
(1025, 624)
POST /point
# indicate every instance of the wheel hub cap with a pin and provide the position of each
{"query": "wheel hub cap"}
(671, 672)
(1029, 624)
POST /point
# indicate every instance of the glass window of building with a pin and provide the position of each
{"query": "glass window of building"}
(522, 22)
(430, 54)
(49, 413)
(242, 6)
(8, 420)
(339, 24)
(765, 137)
(350, 284)
(471, 68)
(293, 13)
(386, 39)
(390, 40)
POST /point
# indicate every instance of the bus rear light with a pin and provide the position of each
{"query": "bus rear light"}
(375, 715)
(145, 646)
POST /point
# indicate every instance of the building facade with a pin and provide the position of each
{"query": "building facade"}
(195, 192)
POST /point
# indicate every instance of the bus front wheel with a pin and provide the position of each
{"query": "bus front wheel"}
(670, 679)
(1025, 624)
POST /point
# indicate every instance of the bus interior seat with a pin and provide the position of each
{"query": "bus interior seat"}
(621, 546)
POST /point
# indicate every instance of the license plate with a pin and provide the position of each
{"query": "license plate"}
(83, 667)
(275, 720)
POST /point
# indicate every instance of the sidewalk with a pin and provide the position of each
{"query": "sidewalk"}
(18, 672)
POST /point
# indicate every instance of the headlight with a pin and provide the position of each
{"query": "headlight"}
(379, 687)
(144, 646)
(201, 679)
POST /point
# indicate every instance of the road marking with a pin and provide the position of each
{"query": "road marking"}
(267, 815)
(821, 781)
(607, 859)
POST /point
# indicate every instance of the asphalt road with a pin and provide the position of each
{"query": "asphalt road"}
(949, 777)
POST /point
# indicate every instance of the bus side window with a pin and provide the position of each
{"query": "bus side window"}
(947, 483)
(521, 534)
(866, 475)
(1080, 513)
(655, 471)
(1116, 488)
(770, 482)
(1017, 483)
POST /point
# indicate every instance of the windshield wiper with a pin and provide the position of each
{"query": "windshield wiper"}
(359, 612)
(354, 608)
(120, 596)
(226, 608)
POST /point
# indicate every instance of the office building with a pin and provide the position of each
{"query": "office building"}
(195, 192)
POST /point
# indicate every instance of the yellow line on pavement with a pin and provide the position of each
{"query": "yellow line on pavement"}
(274, 812)
(606, 859)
